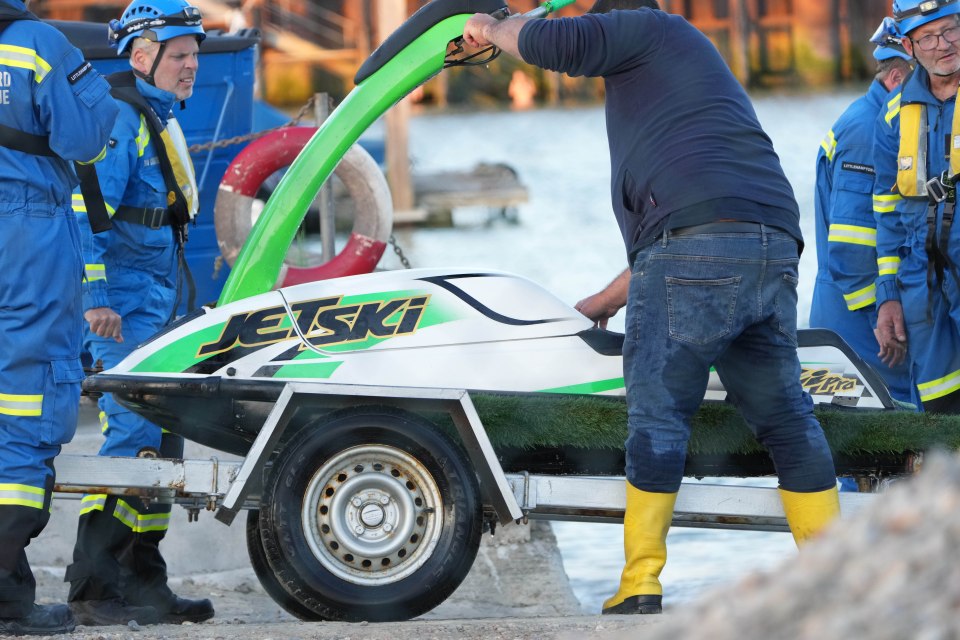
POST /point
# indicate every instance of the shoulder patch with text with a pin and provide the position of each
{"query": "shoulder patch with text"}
(859, 168)
(75, 75)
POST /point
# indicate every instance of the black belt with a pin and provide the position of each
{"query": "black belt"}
(153, 217)
(725, 226)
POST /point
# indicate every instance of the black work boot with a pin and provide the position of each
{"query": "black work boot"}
(637, 605)
(180, 610)
(43, 620)
(95, 613)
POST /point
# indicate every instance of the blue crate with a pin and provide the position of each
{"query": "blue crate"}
(221, 107)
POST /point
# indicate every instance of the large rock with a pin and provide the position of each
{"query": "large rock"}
(889, 572)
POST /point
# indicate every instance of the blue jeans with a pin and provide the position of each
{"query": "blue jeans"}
(728, 301)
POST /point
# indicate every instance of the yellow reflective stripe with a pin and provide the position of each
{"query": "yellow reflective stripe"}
(79, 206)
(940, 387)
(893, 108)
(862, 298)
(153, 522)
(140, 522)
(143, 136)
(829, 145)
(94, 272)
(24, 58)
(13, 404)
(104, 422)
(22, 495)
(866, 236)
(93, 502)
(886, 203)
(100, 156)
(888, 265)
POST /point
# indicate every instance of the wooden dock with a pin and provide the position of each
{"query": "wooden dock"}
(495, 186)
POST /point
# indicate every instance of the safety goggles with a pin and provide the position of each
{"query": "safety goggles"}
(189, 17)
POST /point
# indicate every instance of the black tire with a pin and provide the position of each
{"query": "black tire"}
(258, 560)
(370, 514)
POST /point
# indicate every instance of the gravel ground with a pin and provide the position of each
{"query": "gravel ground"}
(498, 600)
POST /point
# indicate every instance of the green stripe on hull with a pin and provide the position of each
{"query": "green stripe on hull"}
(598, 386)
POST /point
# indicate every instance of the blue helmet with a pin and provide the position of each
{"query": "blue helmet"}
(887, 38)
(156, 20)
(885, 52)
(911, 14)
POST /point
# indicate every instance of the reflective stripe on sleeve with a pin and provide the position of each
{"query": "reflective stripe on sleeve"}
(887, 266)
(94, 272)
(886, 203)
(862, 298)
(852, 234)
(100, 156)
(829, 145)
(940, 387)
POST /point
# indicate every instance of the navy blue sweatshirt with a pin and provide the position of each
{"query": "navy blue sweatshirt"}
(685, 144)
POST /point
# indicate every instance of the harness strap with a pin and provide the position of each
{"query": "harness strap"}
(97, 215)
(934, 266)
(153, 217)
(123, 86)
(25, 142)
(946, 223)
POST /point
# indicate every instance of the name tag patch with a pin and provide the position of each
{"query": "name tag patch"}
(75, 75)
(859, 168)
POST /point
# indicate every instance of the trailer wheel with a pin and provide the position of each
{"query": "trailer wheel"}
(370, 514)
(269, 582)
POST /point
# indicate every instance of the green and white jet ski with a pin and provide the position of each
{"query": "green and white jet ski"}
(428, 328)
(451, 389)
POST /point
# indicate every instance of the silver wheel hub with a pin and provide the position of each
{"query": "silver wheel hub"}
(372, 514)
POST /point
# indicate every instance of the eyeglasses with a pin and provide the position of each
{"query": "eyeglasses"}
(931, 40)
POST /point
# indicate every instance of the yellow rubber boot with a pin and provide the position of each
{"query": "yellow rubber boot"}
(809, 513)
(645, 525)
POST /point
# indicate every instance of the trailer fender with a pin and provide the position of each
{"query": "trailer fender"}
(236, 195)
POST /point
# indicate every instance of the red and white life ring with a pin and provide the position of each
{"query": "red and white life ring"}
(373, 218)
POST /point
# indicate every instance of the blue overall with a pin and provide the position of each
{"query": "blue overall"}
(45, 90)
(844, 296)
(931, 314)
(132, 269)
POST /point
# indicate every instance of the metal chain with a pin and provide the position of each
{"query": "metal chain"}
(226, 142)
(397, 250)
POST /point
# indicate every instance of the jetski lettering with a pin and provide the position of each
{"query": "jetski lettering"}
(323, 321)
(822, 382)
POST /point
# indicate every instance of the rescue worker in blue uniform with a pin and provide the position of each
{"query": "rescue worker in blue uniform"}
(55, 109)
(844, 295)
(712, 232)
(129, 293)
(917, 159)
